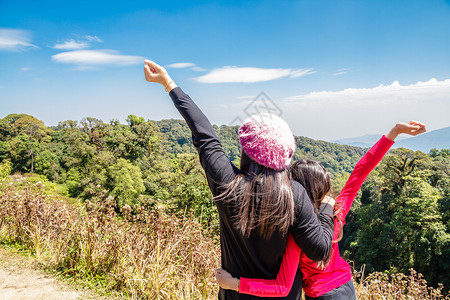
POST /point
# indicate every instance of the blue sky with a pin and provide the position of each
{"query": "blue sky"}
(335, 69)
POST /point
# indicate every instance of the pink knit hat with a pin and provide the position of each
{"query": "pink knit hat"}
(268, 140)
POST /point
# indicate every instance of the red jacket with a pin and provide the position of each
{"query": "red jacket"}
(317, 282)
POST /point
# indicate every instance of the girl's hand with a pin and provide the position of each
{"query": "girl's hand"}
(411, 128)
(226, 281)
(156, 73)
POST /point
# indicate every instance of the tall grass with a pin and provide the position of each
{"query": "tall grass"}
(396, 286)
(143, 254)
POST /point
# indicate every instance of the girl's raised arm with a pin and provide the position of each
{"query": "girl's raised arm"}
(370, 160)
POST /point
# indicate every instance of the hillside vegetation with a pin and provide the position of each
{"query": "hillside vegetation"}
(141, 190)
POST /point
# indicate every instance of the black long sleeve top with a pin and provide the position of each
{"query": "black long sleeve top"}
(252, 256)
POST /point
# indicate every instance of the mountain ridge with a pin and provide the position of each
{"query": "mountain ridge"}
(439, 139)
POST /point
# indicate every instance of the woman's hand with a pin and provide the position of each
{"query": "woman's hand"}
(411, 128)
(156, 73)
(226, 281)
(328, 200)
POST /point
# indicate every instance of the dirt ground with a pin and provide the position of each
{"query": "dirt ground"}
(21, 279)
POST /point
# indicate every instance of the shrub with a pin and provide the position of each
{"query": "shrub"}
(396, 286)
(5, 169)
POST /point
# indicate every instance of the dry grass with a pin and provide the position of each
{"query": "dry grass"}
(144, 255)
(398, 286)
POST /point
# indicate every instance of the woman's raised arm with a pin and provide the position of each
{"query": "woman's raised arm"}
(216, 164)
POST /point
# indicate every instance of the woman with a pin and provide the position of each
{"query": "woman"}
(330, 278)
(257, 203)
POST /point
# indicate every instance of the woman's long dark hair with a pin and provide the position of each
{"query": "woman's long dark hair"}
(262, 198)
(316, 181)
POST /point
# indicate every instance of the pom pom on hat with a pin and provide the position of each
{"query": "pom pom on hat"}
(268, 140)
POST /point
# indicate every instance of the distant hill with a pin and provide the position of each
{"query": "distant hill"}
(439, 139)
(361, 141)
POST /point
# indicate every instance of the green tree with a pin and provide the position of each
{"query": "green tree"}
(47, 163)
(34, 129)
(6, 125)
(337, 159)
(125, 182)
(400, 224)
(5, 169)
(146, 138)
(190, 189)
(19, 153)
(96, 131)
(4, 150)
(21, 137)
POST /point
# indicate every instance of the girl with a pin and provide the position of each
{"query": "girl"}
(331, 278)
(257, 203)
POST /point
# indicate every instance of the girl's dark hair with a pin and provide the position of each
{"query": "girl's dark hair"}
(312, 175)
(262, 198)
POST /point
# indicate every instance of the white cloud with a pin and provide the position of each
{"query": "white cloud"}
(96, 57)
(198, 69)
(71, 45)
(82, 43)
(181, 65)
(184, 65)
(249, 75)
(15, 39)
(25, 69)
(382, 94)
(85, 68)
(93, 38)
(301, 72)
(340, 72)
(357, 111)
